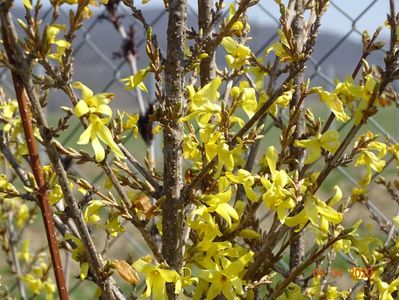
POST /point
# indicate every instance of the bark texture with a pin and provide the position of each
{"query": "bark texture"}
(207, 66)
(172, 209)
(297, 247)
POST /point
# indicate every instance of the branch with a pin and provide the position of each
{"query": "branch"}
(14, 163)
(14, 257)
(24, 81)
(10, 44)
(299, 269)
(296, 154)
(262, 260)
(207, 65)
(141, 226)
(366, 53)
(225, 30)
(173, 207)
(142, 171)
(260, 114)
(130, 55)
(60, 225)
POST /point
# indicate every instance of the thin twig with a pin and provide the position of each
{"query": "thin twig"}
(14, 257)
(366, 53)
(300, 268)
(140, 225)
(141, 169)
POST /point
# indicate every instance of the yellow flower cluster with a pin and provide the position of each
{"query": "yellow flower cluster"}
(98, 113)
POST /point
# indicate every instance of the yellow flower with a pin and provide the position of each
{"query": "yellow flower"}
(328, 141)
(9, 110)
(237, 54)
(91, 212)
(248, 97)
(203, 103)
(367, 91)
(372, 162)
(247, 180)
(342, 245)
(114, 227)
(277, 196)
(386, 289)
(96, 106)
(136, 80)
(86, 13)
(281, 48)
(55, 194)
(223, 279)
(335, 104)
(79, 255)
(190, 149)
(156, 278)
(6, 186)
(97, 131)
(317, 212)
(91, 2)
(22, 215)
(238, 27)
(215, 145)
(204, 224)
(348, 91)
(91, 103)
(131, 124)
(51, 34)
(282, 101)
(34, 284)
(292, 292)
(219, 203)
(24, 254)
(394, 149)
(27, 4)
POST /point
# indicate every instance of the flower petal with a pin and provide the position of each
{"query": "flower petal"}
(159, 289)
(330, 140)
(99, 151)
(313, 154)
(227, 212)
(86, 92)
(85, 136)
(81, 108)
(105, 135)
(104, 109)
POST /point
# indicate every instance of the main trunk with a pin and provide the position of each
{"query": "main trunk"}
(172, 209)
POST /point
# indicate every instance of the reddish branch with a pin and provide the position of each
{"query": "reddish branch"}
(42, 192)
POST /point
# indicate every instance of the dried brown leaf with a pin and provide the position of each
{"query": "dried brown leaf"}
(126, 271)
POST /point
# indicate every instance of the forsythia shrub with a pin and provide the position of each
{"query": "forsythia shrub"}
(199, 213)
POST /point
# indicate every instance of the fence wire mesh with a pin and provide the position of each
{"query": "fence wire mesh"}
(97, 64)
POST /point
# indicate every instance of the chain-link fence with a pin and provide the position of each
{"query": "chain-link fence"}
(99, 65)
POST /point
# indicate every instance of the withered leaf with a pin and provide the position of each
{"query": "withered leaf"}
(143, 204)
(126, 271)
